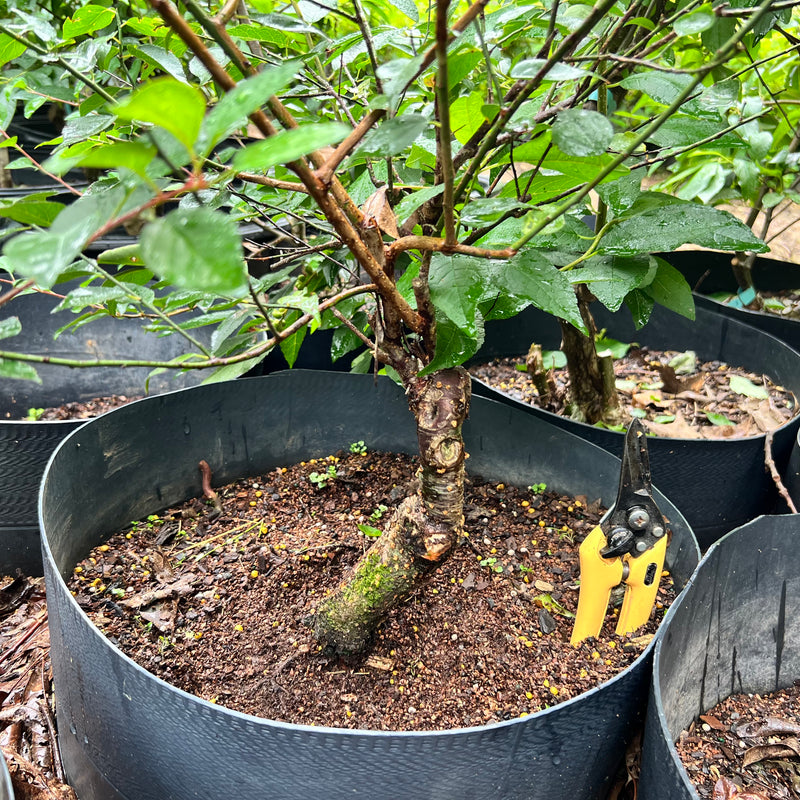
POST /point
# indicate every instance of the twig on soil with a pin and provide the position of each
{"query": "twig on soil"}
(773, 471)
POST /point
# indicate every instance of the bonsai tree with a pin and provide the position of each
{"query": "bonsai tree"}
(439, 163)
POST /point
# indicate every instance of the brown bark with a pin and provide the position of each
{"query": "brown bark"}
(593, 395)
(423, 529)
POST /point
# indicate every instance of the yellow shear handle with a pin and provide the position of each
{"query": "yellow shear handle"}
(598, 577)
(641, 587)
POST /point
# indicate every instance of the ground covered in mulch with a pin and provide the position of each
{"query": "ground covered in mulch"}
(746, 748)
(27, 723)
(782, 304)
(80, 410)
(674, 394)
(217, 601)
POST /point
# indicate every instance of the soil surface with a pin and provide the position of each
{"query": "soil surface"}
(691, 399)
(216, 601)
(746, 748)
(80, 410)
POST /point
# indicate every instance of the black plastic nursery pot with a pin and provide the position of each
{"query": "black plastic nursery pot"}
(126, 734)
(25, 446)
(734, 629)
(710, 271)
(718, 484)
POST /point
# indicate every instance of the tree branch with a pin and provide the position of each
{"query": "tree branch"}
(445, 153)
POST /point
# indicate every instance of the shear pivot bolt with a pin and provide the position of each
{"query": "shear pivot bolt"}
(658, 531)
(638, 519)
(641, 547)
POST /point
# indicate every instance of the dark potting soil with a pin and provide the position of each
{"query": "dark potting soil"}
(746, 748)
(713, 400)
(217, 602)
(79, 410)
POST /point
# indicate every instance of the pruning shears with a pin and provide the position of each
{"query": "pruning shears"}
(627, 547)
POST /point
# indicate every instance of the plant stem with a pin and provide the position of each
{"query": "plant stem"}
(445, 153)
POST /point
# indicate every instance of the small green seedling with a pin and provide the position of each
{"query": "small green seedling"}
(359, 448)
(538, 488)
(34, 414)
(368, 530)
(378, 512)
(320, 479)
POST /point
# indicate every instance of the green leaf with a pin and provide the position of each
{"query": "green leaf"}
(410, 203)
(161, 59)
(290, 347)
(670, 289)
(611, 347)
(696, 22)
(529, 68)
(638, 412)
(234, 107)
(80, 128)
(466, 115)
(88, 19)
(10, 49)
(717, 419)
(610, 279)
(196, 248)
(32, 209)
(580, 132)
(368, 530)
(393, 135)
(706, 183)
(664, 419)
(531, 276)
(18, 370)
(127, 254)
(9, 327)
(640, 306)
(454, 344)
(682, 130)
(743, 386)
(261, 33)
(134, 156)
(288, 146)
(663, 87)
(676, 222)
(489, 209)
(171, 105)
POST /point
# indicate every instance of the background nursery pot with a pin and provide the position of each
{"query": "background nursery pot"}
(127, 734)
(734, 629)
(26, 445)
(708, 271)
(719, 484)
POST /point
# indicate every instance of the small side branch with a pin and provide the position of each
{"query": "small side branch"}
(432, 243)
(444, 132)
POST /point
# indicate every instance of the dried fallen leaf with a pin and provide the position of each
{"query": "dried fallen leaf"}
(788, 748)
(771, 726)
(184, 585)
(675, 385)
(726, 789)
(380, 662)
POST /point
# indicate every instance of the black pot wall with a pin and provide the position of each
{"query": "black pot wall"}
(708, 272)
(718, 484)
(126, 734)
(25, 447)
(735, 629)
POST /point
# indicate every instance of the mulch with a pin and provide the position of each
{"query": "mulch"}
(746, 748)
(692, 399)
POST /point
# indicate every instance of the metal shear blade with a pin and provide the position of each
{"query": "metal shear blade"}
(628, 547)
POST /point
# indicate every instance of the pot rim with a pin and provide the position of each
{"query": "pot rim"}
(279, 724)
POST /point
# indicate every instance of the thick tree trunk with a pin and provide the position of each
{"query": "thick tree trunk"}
(593, 394)
(423, 529)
